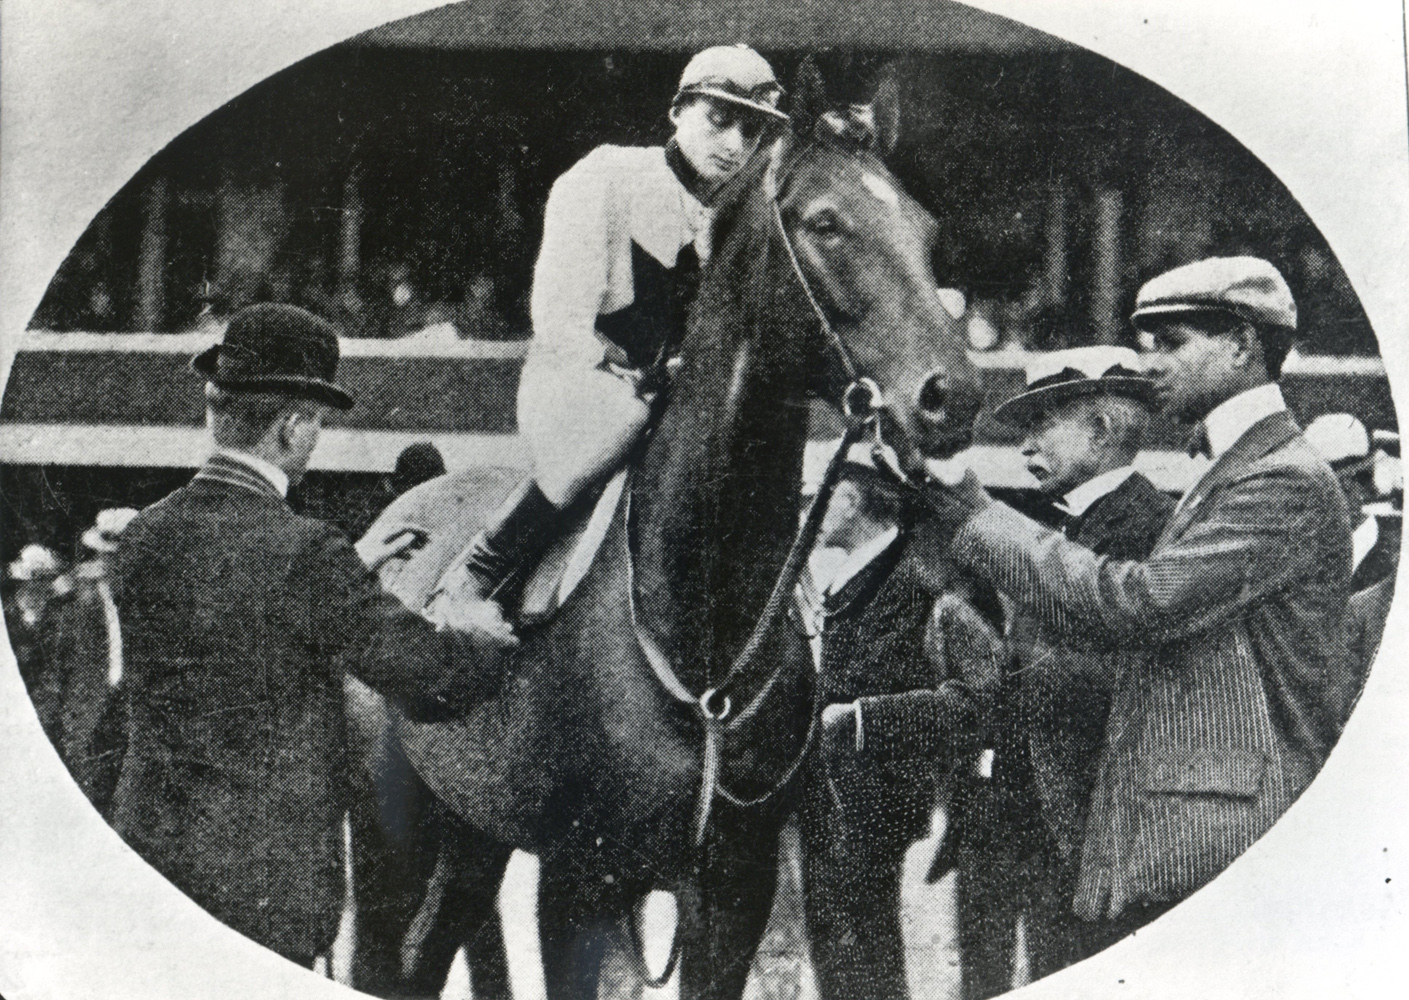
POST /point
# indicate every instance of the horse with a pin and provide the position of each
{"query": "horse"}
(644, 734)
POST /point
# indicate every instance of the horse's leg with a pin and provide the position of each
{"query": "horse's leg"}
(734, 897)
(425, 883)
(469, 913)
(580, 917)
(395, 842)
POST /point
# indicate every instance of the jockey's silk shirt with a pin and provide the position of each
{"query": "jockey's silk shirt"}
(623, 239)
(613, 205)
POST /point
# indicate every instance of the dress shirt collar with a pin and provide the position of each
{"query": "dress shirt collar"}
(1362, 540)
(277, 477)
(861, 557)
(1233, 418)
(1079, 500)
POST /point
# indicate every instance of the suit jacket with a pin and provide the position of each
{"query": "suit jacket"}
(1226, 705)
(239, 617)
(1365, 625)
(924, 665)
(1060, 694)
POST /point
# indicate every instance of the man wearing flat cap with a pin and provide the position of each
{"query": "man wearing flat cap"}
(1083, 413)
(239, 618)
(1235, 621)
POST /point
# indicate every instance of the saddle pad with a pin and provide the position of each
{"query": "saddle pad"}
(567, 560)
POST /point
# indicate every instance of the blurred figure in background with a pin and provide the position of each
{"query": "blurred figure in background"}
(1345, 444)
(32, 582)
(416, 464)
(1371, 478)
(85, 666)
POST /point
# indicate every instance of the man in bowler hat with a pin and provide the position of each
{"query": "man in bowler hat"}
(1083, 413)
(1227, 704)
(239, 619)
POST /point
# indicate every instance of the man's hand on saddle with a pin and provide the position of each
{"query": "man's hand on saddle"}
(455, 603)
(398, 541)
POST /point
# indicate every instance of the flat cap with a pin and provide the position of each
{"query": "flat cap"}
(1247, 287)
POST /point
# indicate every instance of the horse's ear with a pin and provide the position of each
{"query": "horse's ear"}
(809, 99)
(886, 113)
(850, 97)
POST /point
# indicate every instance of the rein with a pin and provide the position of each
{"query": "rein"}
(861, 405)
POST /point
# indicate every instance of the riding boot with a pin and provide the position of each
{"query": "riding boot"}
(520, 532)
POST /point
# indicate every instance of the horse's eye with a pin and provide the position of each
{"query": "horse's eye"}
(825, 225)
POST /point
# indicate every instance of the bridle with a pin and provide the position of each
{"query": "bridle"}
(863, 401)
(862, 404)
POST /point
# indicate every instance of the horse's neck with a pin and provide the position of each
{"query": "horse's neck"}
(717, 499)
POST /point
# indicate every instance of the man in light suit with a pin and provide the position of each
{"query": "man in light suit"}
(1226, 706)
(1084, 412)
(239, 618)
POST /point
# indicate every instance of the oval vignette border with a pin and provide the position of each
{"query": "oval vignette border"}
(1315, 91)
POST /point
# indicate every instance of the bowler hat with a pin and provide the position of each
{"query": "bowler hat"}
(733, 73)
(1247, 287)
(1057, 376)
(273, 347)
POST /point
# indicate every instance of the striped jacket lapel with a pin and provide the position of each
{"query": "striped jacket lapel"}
(1262, 438)
(223, 469)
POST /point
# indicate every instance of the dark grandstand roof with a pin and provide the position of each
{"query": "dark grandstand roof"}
(933, 25)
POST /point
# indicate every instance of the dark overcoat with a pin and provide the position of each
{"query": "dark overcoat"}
(906, 643)
(239, 618)
(1229, 700)
(921, 680)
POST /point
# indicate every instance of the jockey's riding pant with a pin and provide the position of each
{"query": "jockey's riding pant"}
(623, 239)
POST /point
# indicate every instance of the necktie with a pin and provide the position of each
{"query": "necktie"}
(813, 612)
(809, 600)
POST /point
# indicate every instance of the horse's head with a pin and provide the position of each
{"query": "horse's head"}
(865, 248)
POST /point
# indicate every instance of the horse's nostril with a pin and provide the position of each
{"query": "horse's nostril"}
(933, 398)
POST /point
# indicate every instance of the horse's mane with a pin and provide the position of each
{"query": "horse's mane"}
(718, 488)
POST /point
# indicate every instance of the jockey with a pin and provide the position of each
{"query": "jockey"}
(625, 232)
